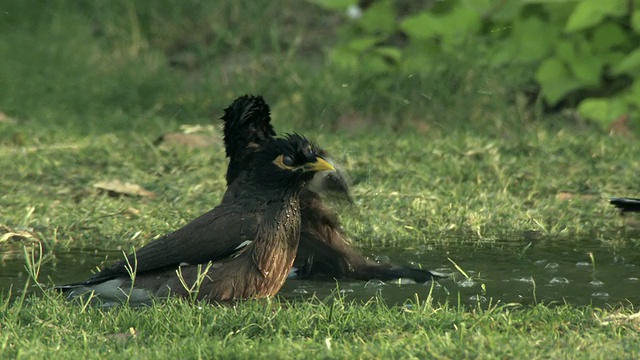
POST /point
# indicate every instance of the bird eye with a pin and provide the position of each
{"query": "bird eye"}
(287, 160)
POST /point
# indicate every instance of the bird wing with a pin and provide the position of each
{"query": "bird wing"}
(213, 236)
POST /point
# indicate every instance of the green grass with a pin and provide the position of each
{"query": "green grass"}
(449, 159)
(331, 328)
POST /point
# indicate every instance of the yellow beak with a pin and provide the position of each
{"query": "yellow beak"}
(319, 165)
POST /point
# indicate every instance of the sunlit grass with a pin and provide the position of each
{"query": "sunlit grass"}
(327, 328)
(89, 88)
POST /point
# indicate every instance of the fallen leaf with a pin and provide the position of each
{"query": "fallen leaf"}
(620, 126)
(5, 119)
(421, 127)
(132, 211)
(565, 196)
(10, 234)
(117, 187)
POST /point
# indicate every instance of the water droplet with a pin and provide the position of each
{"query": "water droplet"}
(633, 279)
(466, 283)
(374, 283)
(478, 298)
(436, 285)
(552, 266)
(597, 283)
(526, 280)
(600, 294)
(559, 280)
(300, 291)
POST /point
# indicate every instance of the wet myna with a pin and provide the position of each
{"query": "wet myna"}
(243, 248)
(325, 251)
(626, 204)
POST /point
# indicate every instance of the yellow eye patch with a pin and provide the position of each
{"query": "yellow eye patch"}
(279, 162)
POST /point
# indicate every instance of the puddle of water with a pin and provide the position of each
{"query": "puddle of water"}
(59, 268)
(550, 271)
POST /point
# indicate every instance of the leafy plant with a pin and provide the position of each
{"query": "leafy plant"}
(584, 54)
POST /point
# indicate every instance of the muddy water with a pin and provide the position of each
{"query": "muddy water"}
(552, 271)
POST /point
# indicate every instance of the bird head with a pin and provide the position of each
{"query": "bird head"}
(291, 159)
(247, 128)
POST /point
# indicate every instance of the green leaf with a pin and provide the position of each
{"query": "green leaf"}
(481, 6)
(374, 65)
(632, 96)
(360, 44)
(629, 65)
(603, 110)
(555, 80)
(506, 11)
(558, 12)
(589, 13)
(607, 36)
(455, 25)
(534, 39)
(566, 51)
(635, 90)
(460, 22)
(635, 20)
(613, 57)
(344, 58)
(421, 26)
(334, 4)
(379, 17)
(389, 52)
(587, 69)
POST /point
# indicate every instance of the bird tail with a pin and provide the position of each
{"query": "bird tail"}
(392, 272)
(72, 290)
(626, 204)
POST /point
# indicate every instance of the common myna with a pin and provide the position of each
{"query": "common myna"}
(243, 248)
(325, 251)
(626, 204)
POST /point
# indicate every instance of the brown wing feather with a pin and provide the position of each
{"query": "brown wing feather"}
(213, 236)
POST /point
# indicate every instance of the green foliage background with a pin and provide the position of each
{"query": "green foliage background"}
(576, 54)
